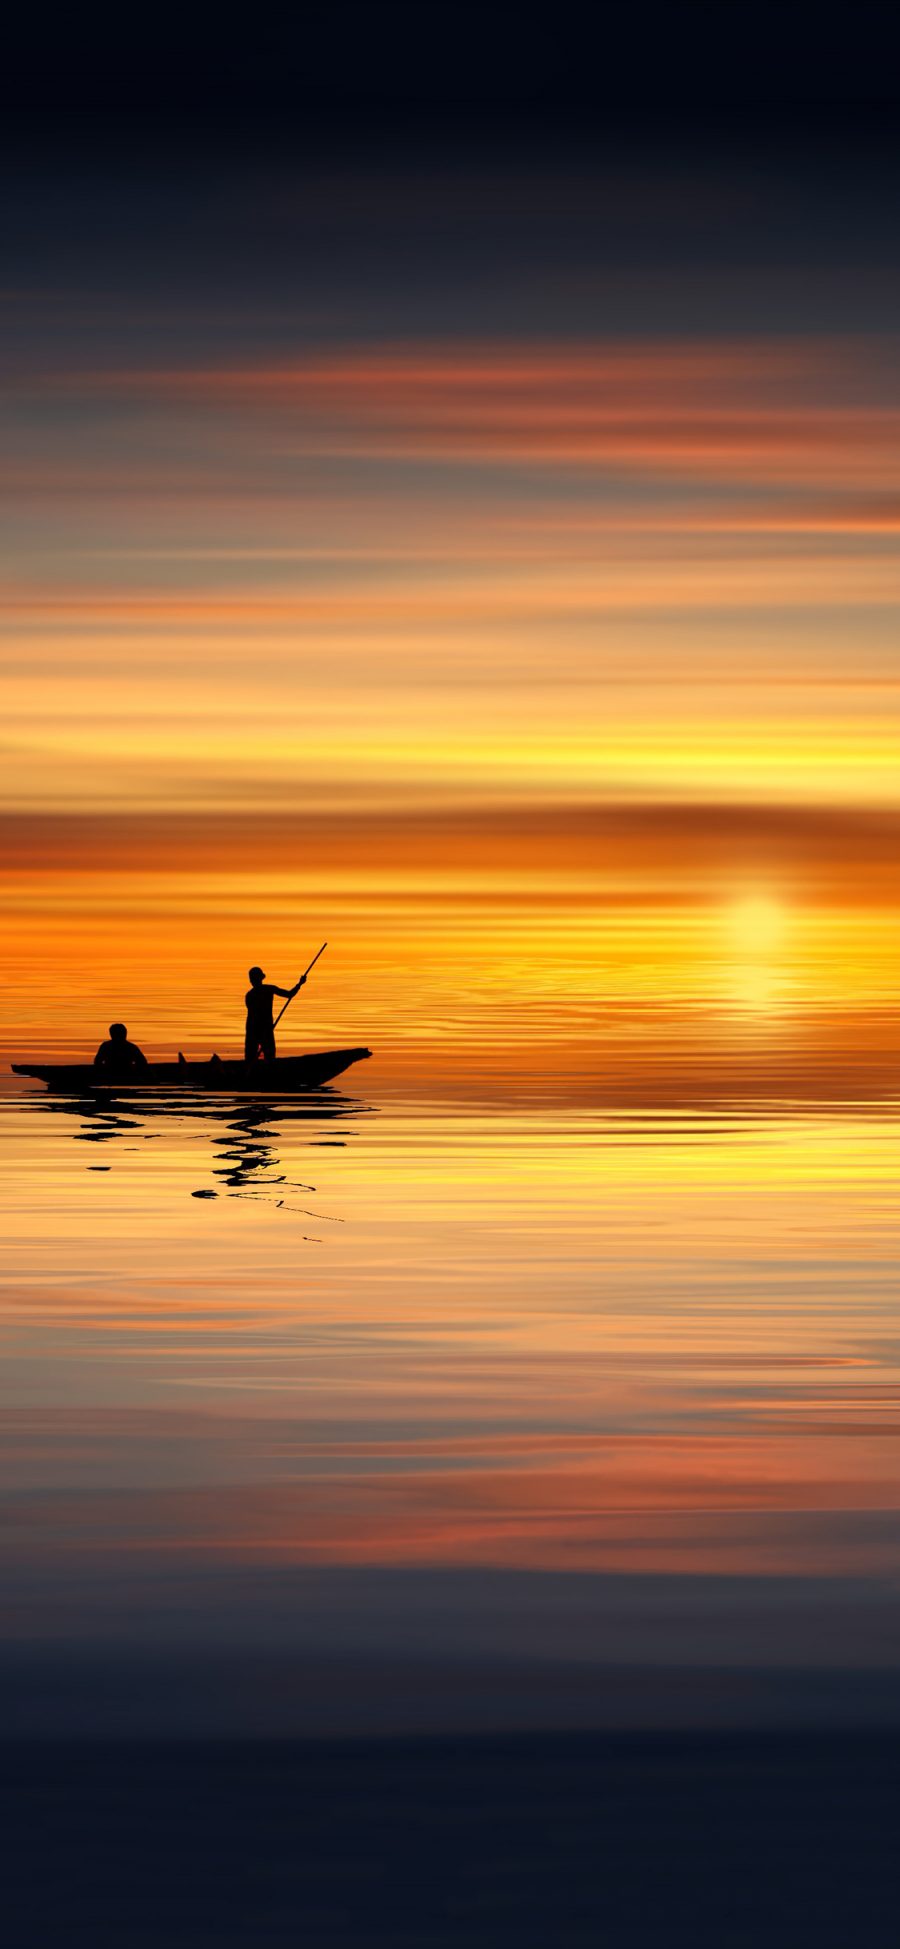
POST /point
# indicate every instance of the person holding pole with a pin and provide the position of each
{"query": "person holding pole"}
(259, 1039)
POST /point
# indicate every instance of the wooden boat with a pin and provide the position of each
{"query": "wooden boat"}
(286, 1076)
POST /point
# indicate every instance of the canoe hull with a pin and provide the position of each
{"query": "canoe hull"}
(286, 1076)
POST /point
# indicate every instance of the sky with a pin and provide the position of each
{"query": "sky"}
(441, 485)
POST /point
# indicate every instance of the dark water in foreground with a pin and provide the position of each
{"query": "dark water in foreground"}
(579, 1840)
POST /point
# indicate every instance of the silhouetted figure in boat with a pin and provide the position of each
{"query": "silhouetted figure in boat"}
(260, 1036)
(119, 1057)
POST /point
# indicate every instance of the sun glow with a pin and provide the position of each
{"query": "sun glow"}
(756, 928)
(757, 924)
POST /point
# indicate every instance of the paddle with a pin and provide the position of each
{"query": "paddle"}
(302, 978)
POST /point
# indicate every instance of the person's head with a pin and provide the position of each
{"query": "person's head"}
(118, 1032)
(256, 976)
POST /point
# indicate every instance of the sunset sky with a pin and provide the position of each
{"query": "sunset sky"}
(478, 559)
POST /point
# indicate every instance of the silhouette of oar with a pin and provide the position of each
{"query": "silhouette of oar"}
(302, 978)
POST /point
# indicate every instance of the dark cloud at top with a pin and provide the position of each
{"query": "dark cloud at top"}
(357, 72)
(179, 188)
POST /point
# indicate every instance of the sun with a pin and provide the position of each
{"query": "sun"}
(757, 923)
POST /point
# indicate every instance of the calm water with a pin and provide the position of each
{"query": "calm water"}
(347, 1413)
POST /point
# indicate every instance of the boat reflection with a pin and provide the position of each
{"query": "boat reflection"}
(245, 1136)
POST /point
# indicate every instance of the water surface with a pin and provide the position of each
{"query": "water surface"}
(409, 1390)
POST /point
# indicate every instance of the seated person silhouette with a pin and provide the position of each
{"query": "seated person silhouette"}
(260, 1037)
(118, 1057)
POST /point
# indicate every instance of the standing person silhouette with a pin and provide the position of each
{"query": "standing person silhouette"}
(260, 1037)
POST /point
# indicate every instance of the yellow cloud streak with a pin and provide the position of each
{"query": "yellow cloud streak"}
(432, 744)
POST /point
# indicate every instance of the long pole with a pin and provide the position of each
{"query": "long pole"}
(302, 978)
